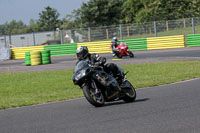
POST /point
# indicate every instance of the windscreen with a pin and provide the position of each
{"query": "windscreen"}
(81, 65)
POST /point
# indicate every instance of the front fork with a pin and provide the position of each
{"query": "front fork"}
(94, 86)
(127, 52)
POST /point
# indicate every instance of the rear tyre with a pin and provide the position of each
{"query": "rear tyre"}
(130, 93)
(131, 54)
(92, 98)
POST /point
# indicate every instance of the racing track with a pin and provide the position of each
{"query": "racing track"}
(162, 109)
(68, 62)
(170, 108)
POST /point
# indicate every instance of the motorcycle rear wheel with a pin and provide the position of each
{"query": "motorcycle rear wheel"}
(130, 93)
(92, 98)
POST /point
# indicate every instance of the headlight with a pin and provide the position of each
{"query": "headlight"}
(80, 74)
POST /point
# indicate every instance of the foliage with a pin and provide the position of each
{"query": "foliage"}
(107, 12)
(13, 27)
(148, 10)
(98, 12)
(48, 19)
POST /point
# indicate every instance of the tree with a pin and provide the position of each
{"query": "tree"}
(33, 26)
(146, 10)
(48, 19)
(13, 27)
(67, 22)
(98, 13)
(2, 29)
(195, 8)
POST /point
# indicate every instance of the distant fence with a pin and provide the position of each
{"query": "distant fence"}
(105, 33)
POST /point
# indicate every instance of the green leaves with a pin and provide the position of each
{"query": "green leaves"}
(48, 19)
(99, 12)
(96, 13)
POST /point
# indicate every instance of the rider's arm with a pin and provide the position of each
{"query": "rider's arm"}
(97, 59)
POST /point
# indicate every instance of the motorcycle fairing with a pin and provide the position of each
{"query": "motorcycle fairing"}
(109, 82)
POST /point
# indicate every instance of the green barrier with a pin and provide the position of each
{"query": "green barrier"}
(27, 58)
(46, 56)
(193, 40)
(136, 44)
(62, 49)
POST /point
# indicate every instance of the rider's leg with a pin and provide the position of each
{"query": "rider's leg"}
(114, 69)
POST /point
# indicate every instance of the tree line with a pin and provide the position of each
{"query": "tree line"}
(106, 12)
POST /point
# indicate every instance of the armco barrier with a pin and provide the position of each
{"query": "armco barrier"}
(136, 44)
(62, 49)
(193, 40)
(19, 53)
(165, 42)
(97, 47)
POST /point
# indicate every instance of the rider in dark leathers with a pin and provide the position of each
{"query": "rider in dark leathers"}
(95, 59)
(114, 44)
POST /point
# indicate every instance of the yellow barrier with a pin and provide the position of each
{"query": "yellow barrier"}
(165, 42)
(97, 47)
(35, 58)
(19, 53)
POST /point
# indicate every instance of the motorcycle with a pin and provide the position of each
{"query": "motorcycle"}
(100, 87)
(122, 50)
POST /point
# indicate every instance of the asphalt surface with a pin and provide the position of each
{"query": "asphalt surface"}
(68, 62)
(170, 108)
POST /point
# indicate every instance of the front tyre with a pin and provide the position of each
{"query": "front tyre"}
(129, 92)
(92, 97)
(118, 55)
(131, 54)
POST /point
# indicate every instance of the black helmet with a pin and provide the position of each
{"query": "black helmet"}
(114, 39)
(82, 52)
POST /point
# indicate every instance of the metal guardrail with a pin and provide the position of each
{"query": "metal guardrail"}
(105, 33)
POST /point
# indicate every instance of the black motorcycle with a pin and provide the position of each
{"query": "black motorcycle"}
(100, 87)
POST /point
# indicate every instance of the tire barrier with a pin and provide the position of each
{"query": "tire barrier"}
(165, 42)
(136, 44)
(97, 47)
(193, 40)
(46, 56)
(35, 58)
(19, 53)
(27, 58)
(62, 49)
(104, 46)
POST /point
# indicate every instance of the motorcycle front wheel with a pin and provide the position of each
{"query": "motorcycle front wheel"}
(118, 55)
(96, 99)
(130, 93)
(131, 54)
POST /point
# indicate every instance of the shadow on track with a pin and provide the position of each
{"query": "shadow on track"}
(122, 102)
(141, 100)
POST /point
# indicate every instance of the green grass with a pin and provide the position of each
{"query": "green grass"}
(28, 88)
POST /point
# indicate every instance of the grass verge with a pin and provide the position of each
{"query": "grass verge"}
(28, 88)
